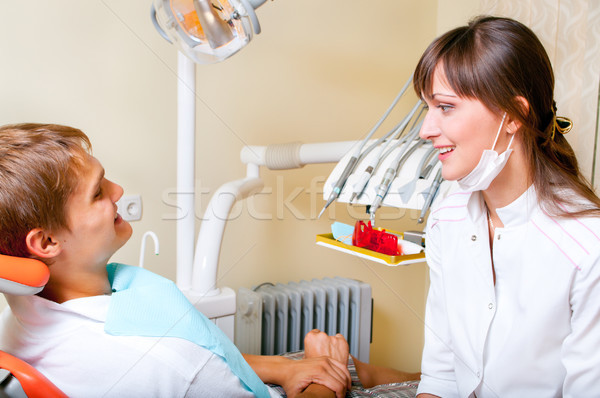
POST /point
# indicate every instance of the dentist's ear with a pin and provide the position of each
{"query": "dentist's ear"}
(42, 244)
(513, 124)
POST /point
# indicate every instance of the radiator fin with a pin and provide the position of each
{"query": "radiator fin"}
(273, 319)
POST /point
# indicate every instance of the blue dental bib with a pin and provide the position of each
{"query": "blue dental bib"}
(148, 305)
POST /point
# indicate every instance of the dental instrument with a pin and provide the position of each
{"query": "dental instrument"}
(359, 187)
(431, 193)
(390, 174)
(339, 185)
(390, 137)
(409, 153)
(426, 170)
(406, 190)
(410, 136)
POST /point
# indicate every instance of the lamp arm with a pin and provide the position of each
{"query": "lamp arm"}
(210, 238)
(295, 155)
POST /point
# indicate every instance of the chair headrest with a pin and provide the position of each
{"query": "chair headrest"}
(22, 276)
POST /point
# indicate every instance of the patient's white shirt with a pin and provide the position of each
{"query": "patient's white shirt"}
(67, 343)
(536, 331)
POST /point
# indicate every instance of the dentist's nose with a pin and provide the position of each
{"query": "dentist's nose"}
(429, 129)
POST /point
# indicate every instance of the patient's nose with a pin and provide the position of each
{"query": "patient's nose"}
(116, 191)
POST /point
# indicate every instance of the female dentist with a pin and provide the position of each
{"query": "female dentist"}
(514, 303)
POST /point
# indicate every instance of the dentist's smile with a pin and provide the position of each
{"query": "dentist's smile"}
(444, 152)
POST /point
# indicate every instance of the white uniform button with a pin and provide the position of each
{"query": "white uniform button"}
(474, 238)
(499, 236)
(491, 306)
(478, 375)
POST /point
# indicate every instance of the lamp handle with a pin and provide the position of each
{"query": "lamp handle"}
(257, 3)
(250, 11)
(157, 26)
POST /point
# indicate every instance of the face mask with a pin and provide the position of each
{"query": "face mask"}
(488, 168)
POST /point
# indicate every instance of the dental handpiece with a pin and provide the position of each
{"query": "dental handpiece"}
(339, 185)
(363, 180)
(427, 168)
(388, 177)
(407, 190)
(433, 190)
(382, 190)
(359, 186)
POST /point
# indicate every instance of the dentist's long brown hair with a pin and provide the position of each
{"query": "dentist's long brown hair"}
(496, 61)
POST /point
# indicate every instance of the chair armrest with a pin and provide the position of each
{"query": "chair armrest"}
(34, 384)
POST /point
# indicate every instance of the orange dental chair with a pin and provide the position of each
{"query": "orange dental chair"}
(23, 276)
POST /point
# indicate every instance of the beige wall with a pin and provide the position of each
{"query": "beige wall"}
(320, 71)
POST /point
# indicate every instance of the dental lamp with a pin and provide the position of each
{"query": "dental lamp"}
(204, 31)
(207, 31)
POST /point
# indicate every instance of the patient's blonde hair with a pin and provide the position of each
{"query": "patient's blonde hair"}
(39, 168)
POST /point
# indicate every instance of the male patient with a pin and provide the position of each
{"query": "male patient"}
(57, 206)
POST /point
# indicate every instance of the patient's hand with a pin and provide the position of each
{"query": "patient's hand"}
(296, 375)
(319, 344)
(322, 370)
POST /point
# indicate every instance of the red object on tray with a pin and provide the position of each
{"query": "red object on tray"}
(375, 239)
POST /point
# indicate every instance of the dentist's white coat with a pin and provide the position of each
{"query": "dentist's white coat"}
(536, 331)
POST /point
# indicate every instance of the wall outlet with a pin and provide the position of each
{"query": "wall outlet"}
(130, 207)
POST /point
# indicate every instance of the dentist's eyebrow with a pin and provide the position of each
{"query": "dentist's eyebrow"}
(443, 95)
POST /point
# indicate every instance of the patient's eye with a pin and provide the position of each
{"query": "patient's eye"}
(98, 193)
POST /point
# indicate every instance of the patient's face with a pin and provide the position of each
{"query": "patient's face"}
(97, 231)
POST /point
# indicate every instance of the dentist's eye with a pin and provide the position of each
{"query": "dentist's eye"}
(445, 107)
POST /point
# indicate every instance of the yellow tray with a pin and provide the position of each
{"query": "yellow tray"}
(327, 240)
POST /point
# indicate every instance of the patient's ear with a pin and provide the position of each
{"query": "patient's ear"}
(42, 244)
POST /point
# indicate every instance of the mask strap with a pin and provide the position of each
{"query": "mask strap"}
(510, 142)
(498, 133)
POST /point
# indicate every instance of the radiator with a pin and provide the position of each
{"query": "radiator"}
(273, 319)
